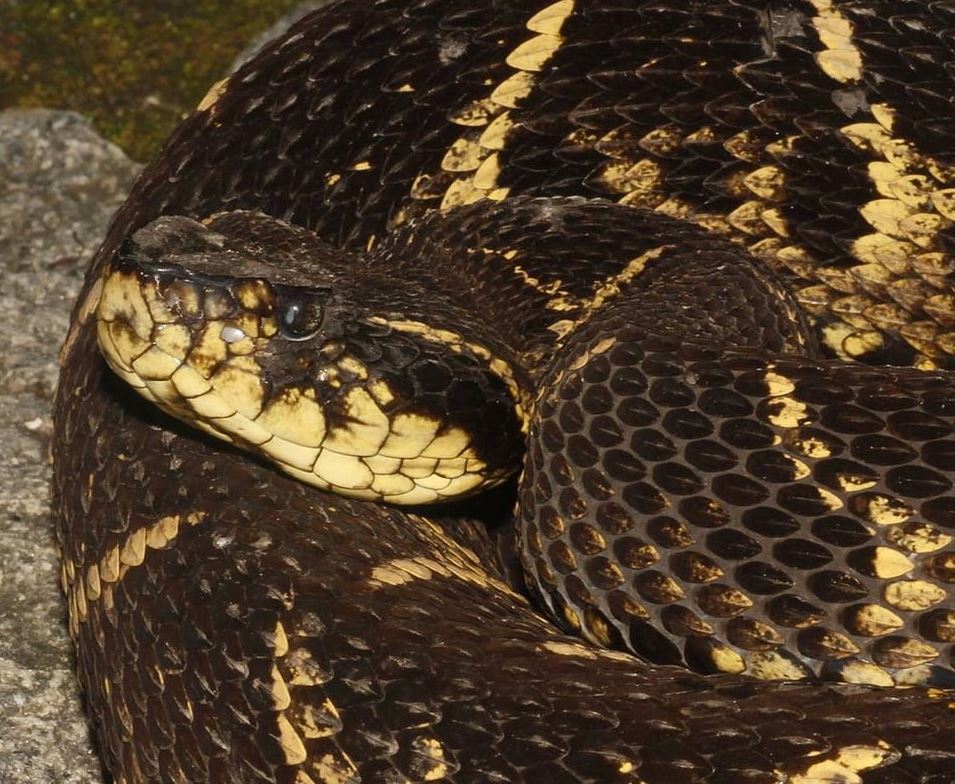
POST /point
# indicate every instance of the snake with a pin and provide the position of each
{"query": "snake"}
(529, 391)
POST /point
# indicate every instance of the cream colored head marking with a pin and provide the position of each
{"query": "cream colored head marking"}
(208, 376)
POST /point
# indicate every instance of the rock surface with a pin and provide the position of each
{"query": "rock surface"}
(59, 184)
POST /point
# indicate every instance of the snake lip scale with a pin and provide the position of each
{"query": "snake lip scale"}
(675, 278)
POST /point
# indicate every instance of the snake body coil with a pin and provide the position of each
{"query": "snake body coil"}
(670, 248)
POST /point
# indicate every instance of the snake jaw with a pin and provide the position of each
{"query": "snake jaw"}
(365, 406)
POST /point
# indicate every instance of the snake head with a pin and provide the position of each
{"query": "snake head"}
(259, 334)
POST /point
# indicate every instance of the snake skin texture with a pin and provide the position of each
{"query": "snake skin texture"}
(235, 625)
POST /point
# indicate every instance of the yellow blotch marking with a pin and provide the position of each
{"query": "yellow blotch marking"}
(133, 551)
(109, 565)
(361, 166)
(799, 469)
(315, 725)
(777, 384)
(464, 155)
(432, 748)
(858, 344)
(873, 620)
(865, 673)
(476, 114)
(495, 135)
(332, 179)
(846, 764)
(453, 564)
(253, 294)
(212, 96)
(884, 510)
(569, 649)
(767, 182)
(332, 770)
(840, 60)
(280, 643)
(888, 563)
(922, 538)
(725, 659)
(291, 743)
(485, 178)
(851, 483)
(915, 653)
(812, 447)
(472, 155)
(550, 20)
(353, 367)
(381, 392)
(616, 283)
(641, 183)
(913, 595)
(513, 90)
(533, 54)
(99, 577)
(626, 767)
(771, 666)
(944, 201)
(597, 631)
(787, 412)
(885, 215)
(280, 694)
(93, 587)
(305, 672)
(884, 115)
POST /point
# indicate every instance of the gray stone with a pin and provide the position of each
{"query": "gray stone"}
(59, 184)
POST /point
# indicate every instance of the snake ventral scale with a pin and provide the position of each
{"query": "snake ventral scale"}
(528, 391)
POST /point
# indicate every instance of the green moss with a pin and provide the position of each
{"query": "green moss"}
(134, 67)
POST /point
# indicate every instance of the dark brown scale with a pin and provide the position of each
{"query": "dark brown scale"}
(793, 612)
(722, 601)
(752, 635)
(822, 643)
(634, 553)
(669, 532)
(838, 587)
(703, 512)
(694, 567)
(683, 622)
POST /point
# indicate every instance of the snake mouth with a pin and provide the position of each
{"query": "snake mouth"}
(271, 366)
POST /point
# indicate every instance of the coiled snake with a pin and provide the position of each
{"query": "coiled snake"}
(666, 245)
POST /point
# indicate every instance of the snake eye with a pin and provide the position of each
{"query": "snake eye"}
(300, 314)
